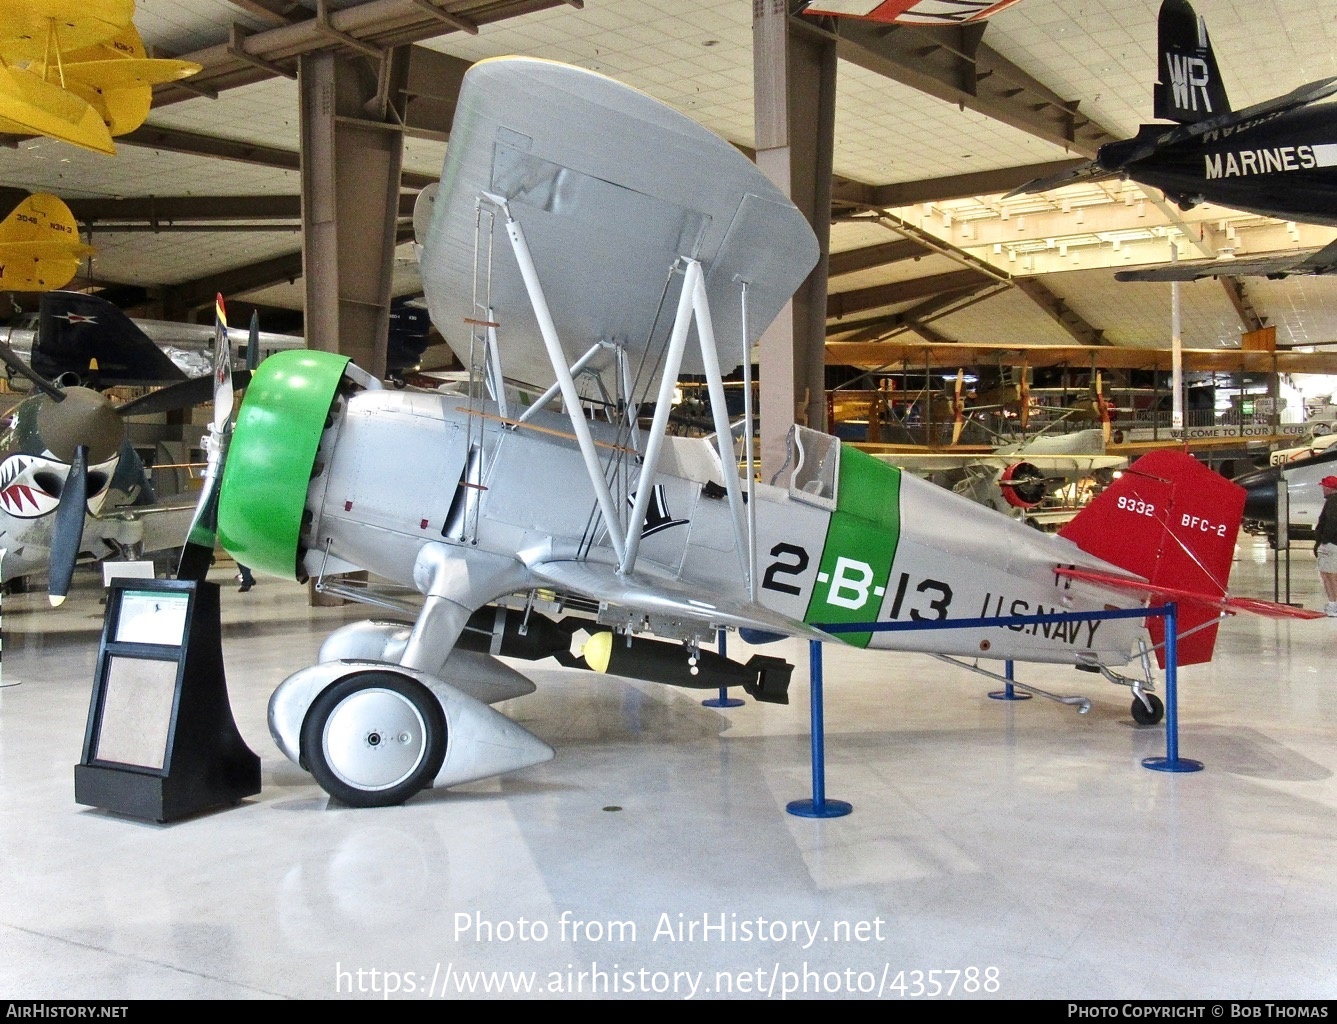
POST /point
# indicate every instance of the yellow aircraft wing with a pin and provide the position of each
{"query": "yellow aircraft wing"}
(31, 29)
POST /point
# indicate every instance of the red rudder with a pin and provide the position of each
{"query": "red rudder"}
(1173, 521)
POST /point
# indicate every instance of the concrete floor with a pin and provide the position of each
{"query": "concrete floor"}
(1020, 850)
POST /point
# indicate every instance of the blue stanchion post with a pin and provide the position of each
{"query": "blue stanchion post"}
(723, 700)
(1008, 692)
(1172, 762)
(819, 806)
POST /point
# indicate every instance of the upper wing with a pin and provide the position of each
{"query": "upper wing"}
(611, 188)
(665, 600)
(1310, 262)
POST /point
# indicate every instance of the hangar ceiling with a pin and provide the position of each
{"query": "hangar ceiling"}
(202, 198)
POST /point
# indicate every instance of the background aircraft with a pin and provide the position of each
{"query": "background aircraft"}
(71, 485)
(911, 12)
(76, 70)
(1016, 478)
(479, 505)
(72, 330)
(1277, 158)
(39, 245)
(1303, 492)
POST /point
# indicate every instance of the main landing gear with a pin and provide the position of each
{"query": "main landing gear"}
(375, 738)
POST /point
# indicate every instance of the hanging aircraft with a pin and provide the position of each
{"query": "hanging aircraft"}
(911, 12)
(1276, 159)
(77, 71)
(607, 230)
(39, 245)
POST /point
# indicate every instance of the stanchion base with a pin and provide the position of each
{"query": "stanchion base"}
(1165, 764)
(1005, 695)
(811, 809)
(723, 702)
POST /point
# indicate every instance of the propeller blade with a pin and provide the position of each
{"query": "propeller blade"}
(16, 365)
(183, 394)
(1103, 406)
(69, 528)
(197, 554)
(1024, 399)
(253, 343)
(958, 408)
(222, 369)
(198, 551)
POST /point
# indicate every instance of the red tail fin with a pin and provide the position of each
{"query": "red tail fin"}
(1172, 521)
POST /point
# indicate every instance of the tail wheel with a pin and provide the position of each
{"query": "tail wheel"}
(1144, 717)
(374, 739)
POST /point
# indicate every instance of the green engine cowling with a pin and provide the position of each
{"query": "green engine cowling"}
(270, 459)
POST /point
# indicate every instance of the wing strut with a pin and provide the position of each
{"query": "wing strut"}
(693, 304)
(567, 384)
(693, 307)
(547, 396)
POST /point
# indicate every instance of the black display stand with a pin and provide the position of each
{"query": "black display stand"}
(161, 743)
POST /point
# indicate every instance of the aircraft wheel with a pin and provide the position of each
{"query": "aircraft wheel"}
(373, 739)
(1144, 717)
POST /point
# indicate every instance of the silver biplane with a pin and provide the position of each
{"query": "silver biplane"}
(595, 244)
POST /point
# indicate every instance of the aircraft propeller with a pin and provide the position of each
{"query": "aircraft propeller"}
(1104, 406)
(198, 551)
(958, 408)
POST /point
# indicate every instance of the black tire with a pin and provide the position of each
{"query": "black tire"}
(1144, 717)
(374, 739)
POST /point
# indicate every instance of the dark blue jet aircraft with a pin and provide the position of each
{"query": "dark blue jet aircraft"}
(1276, 159)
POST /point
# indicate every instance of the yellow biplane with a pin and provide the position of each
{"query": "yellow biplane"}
(76, 70)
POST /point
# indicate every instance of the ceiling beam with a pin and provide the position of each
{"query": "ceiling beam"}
(1062, 314)
(1244, 308)
(875, 327)
(173, 140)
(883, 254)
(197, 211)
(840, 304)
(954, 64)
(380, 24)
(274, 12)
(953, 186)
(188, 296)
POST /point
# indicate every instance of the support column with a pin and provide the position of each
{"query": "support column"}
(352, 152)
(794, 82)
(812, 117)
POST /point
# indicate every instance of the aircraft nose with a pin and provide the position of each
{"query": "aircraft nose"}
(1260, 490)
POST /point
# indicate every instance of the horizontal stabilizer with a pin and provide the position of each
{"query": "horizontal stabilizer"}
(1226, 604)
(1309, 263)
(30, 105)
(1090, 171)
